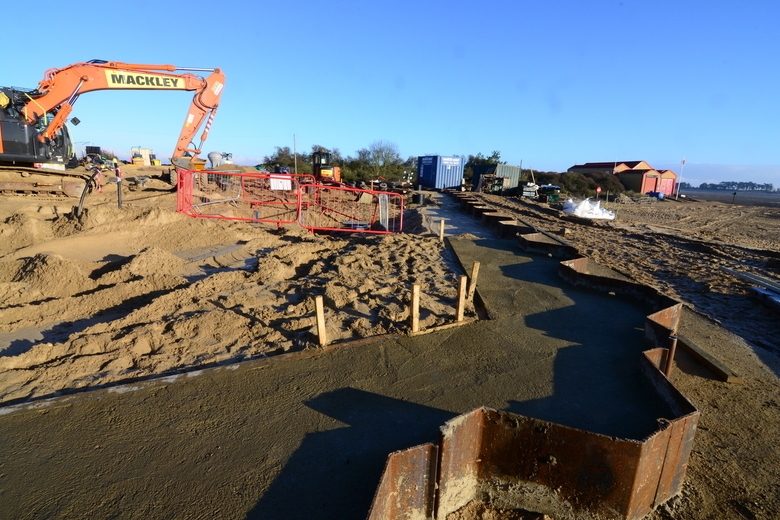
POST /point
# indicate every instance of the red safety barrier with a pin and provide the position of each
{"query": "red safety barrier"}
(260, 197)
(287, 198)
(341, 208)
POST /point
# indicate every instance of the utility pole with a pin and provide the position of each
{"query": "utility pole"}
(679, 179)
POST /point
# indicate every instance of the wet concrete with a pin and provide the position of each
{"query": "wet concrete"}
(445, 207)
(307, 437)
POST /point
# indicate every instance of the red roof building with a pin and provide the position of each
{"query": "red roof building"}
(636, 176)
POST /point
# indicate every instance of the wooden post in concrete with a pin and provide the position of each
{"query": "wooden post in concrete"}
(441, 230)
(461, 309)
(670, 356)
(322, 332)
(415, 308)
(473, 281)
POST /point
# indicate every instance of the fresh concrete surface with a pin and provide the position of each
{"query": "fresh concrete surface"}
(308, 437)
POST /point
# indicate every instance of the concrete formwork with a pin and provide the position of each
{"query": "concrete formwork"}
(512, 461)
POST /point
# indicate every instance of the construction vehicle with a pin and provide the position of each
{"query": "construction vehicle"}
(323, 171)
(35, 145)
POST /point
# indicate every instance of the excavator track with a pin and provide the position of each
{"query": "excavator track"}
(21, 180)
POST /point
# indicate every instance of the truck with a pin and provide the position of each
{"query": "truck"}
(35, 145)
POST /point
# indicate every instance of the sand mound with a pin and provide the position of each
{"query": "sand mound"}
(155, 261)
(53, 275)
(21, 230)
(133, 316)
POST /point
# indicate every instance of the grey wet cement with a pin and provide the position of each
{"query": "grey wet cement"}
(309, 437)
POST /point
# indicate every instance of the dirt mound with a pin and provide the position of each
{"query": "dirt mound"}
(110, 217)
(54, 275)
(21, 230)
(154, 261)
(249, 292)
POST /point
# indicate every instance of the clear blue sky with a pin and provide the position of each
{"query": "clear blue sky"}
(549, 83)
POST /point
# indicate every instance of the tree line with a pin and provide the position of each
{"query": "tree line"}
(732, 186)
(381, 159)
(569, 182)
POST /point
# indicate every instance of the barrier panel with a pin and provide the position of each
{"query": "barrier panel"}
(285, 199)
(341, 208)
(261, 197)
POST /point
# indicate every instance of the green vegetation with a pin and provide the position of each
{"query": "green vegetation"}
(380, 159)
(734, 186)
(479, 159)
(579, 184)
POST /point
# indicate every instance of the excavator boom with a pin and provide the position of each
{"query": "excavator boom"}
(60, 88)
(32, 122)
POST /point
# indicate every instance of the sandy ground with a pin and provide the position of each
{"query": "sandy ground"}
(125, 294)
(121, 295)
(680, 248)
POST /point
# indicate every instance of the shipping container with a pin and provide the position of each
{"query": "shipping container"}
(499, 170)
(440, 172)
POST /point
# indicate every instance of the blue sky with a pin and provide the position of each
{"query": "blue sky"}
(547, 83)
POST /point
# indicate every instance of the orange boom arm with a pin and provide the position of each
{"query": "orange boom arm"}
(60, 88)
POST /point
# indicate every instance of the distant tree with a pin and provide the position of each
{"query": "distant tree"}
(606, 181)
(552, 178)
(386, 160)
(356, 168)
(574, 183)
(282, 156)
(479, 159)
(380, 159)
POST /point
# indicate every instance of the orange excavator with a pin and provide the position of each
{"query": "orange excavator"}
(35, 146)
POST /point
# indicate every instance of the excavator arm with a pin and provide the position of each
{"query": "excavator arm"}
(60, 88)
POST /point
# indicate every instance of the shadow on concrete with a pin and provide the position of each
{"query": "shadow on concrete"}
(598, 384)
(334, 473)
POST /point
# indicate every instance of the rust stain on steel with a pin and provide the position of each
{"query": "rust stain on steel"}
(406, 490)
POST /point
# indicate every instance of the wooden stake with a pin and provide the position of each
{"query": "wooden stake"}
(461, 298)
(441, 230)
(473, 281)
(415, 308)
(321, 330)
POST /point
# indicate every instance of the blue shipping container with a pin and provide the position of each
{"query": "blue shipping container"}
(440, 172)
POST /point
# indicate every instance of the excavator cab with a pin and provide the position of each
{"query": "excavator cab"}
(323, 171)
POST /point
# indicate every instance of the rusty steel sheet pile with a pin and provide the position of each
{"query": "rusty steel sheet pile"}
(408, 484)
(510, 461)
